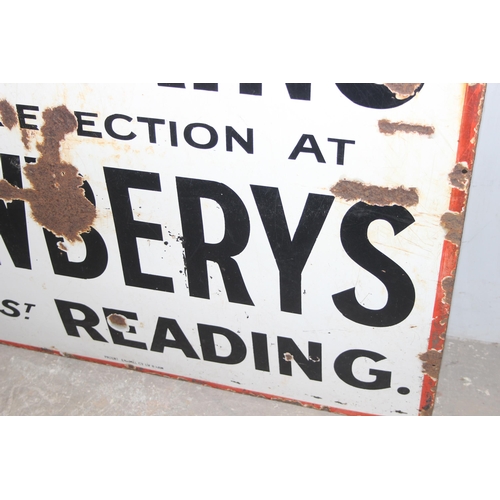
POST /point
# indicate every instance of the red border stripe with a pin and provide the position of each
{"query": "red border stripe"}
(471, 117)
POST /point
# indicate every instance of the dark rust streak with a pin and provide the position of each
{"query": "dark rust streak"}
(8, 114)
(57, 199)
(375, 195)
(390, 128)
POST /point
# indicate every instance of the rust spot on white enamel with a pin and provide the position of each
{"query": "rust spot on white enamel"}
(403, 90)
(375, 195)
(390, 128)
(118, 321)
(8, 114)
(56, 198)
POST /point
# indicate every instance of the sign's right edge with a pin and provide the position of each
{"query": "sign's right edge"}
(453, 221)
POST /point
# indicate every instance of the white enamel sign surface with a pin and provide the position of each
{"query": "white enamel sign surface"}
(283, 240)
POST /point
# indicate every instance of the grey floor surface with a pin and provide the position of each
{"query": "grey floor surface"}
(34, 383)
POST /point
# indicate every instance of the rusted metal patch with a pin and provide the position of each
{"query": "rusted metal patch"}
(26, 137)
(448, 284)
(375, 195)
(431, 363)
(453, 223)
(8, 114)
(118, 321)
(460, 176)
(57, 199)
(403, 90)
(390, 128)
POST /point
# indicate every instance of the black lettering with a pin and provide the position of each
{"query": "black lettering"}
(341, 149)
(197, 251)
(251, 88)
(288, 351)
(300, 91)
(71, 324)
(29, 307)
(108, 125)
(188, 136)
(260, 351)
(179, 341)
(21, 108)
(13, 226)
(213, 87)
(291, 254)
(208, 347)
(94, 264)
(152, 122)
(343, 368)
(81, 122)
(96, 259)
(128, 229)
(14, 313)
(175, 85)
(173, 134)
(373, 95)
(246, 145)
(117, 335)
(300, 148)
(400, 289)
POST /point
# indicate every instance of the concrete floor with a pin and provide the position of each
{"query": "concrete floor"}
(34, 383)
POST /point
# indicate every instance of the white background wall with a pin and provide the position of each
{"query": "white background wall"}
(475, 310)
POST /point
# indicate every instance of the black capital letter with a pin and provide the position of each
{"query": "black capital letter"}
(128, 229)
(291, 255)
(343, 368)
(288, 351)
(238, 348)
(108, 125)
(116, 335)
(71, 324)
(237, 232)
(13, 216)
(160, 340)
(300, 148)
(400, 289)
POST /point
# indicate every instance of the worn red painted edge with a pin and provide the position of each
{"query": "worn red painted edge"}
(187, 379)
(471, 117)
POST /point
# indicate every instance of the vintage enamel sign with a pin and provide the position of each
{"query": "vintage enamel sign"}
(295, 241)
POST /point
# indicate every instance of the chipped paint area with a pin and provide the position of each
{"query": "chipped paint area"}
(118, 321)
(431, 363)
(375, 195)
(57, 199)
(460, 176)
(8, 114)
(403, 90)
(390, 128)
(453, 222)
